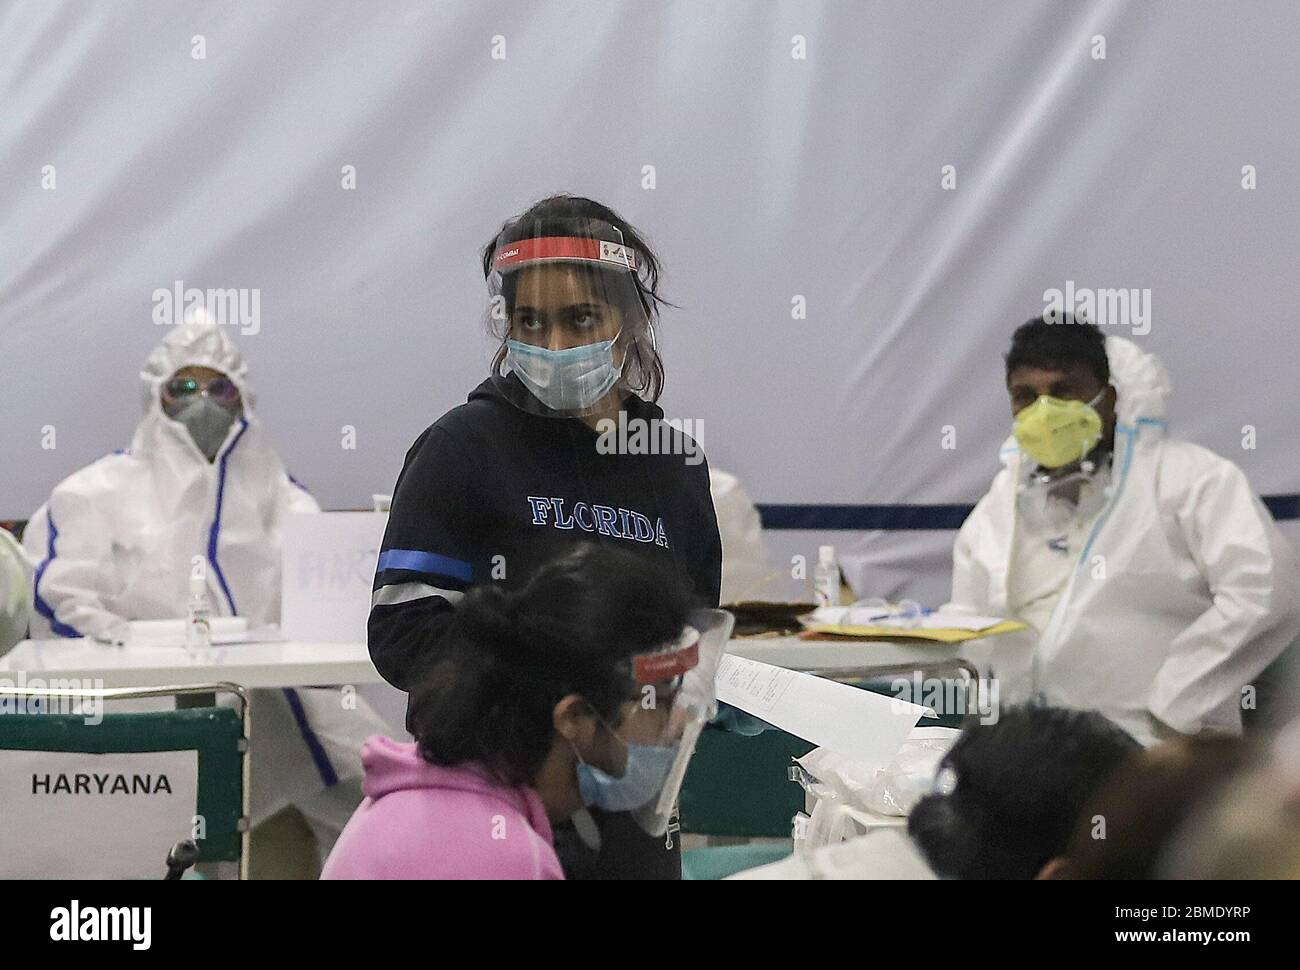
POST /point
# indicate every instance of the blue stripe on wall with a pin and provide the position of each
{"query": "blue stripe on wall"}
(1283, 507)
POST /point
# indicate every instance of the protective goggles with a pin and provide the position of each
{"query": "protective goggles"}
(220, 389)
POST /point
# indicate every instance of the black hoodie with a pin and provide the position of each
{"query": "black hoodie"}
(491, 491)
(494, 489)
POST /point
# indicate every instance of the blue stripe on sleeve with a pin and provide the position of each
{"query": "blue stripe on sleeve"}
(42, 607)
(418, 561)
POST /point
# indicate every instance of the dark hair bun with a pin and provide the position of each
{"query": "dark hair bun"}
(487, 616)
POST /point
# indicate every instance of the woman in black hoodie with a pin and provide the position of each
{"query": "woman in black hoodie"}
(562, 443)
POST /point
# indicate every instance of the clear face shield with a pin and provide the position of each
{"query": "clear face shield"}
(1050, 505)
(678, 696)
(568, 301)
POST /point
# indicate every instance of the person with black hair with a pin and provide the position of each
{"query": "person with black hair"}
(1129, 824)
(1007, 794)
(1155, 583)
(562, 442)
(534, 707)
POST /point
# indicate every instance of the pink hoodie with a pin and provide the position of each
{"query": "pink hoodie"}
(423, 821)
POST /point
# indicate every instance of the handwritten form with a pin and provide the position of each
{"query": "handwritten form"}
(857, 723)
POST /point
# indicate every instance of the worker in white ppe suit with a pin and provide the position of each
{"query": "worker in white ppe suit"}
(747, 574)
(115, 542)
(15, 591)
(1155, 583)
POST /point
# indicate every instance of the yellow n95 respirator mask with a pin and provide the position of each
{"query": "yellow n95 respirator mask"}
(1055, 432)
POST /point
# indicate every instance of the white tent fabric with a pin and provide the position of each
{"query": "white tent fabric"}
(841, 313)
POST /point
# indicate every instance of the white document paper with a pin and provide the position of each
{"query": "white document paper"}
(856, 723)
(69, 815)
(171, 633)
(872, 616)
(958, 621)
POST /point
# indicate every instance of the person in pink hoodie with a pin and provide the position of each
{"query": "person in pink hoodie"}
(534, 709)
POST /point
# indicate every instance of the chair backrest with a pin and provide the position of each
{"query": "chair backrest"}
(100, 787)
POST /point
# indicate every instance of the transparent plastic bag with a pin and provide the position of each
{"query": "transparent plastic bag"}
(891, 791)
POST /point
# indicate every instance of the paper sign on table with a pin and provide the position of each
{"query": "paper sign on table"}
(857, 723)
(328, 570)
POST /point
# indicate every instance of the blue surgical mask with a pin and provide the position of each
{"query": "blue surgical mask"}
(574, 379)
(647, 769)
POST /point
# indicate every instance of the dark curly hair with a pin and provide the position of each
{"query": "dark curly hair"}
(1059, 346)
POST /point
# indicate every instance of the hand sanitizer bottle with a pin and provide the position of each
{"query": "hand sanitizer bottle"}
(826, 577)
(198, 631)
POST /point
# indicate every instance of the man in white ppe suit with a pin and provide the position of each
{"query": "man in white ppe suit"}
(15, 591)
(747, 573)
(1155, 583)
(115, 542)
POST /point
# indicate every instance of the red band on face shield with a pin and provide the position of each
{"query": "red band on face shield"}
(655, 668)
(566, 248)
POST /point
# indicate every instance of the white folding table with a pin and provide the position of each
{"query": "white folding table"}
(294, 663)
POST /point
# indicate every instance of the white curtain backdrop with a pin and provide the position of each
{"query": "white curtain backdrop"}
(767, 181)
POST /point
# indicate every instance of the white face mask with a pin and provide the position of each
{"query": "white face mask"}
(573, 380)
(207, 422)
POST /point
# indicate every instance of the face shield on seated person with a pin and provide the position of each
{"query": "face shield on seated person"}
(1048, 505)
(676, 696)
(569, 303)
